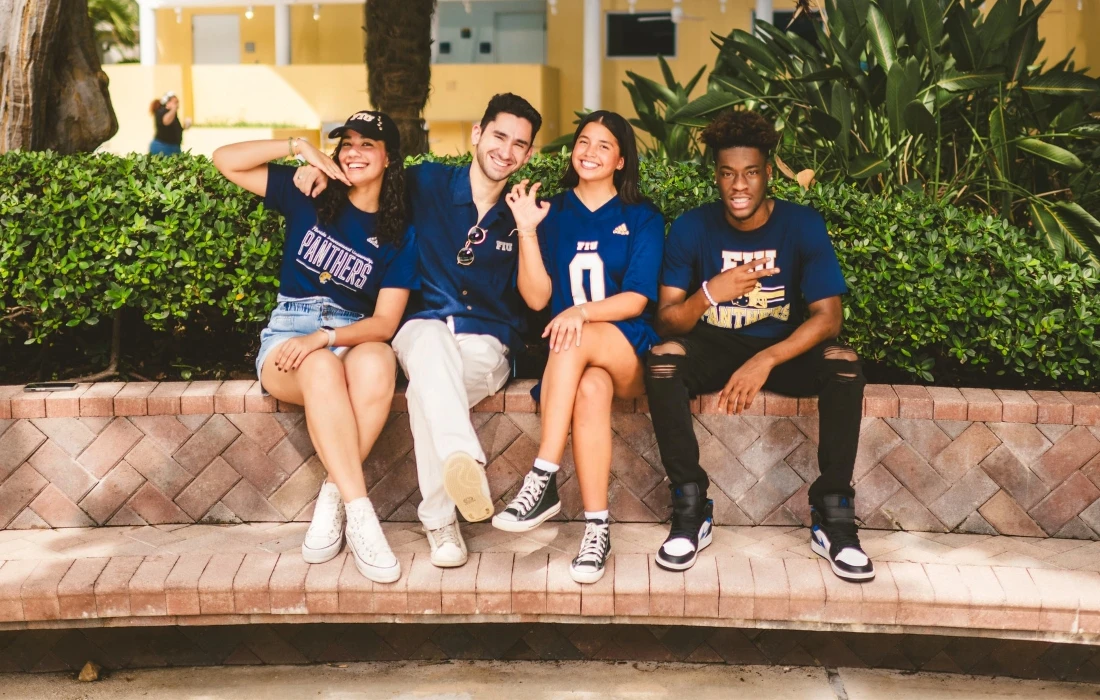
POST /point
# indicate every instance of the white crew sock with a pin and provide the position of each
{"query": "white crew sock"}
(546, 466)
(596, 515)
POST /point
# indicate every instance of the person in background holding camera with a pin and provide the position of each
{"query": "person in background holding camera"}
(349, 263)
(167, 126)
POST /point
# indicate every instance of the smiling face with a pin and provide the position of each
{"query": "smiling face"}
(742, 175)
(503, 147)
(363, 160)
(596, 154)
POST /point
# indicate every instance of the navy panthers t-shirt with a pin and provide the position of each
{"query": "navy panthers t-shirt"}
(592, 255)
(342, 260)
(702, 244)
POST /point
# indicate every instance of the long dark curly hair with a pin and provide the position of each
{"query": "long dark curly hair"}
(392, 214)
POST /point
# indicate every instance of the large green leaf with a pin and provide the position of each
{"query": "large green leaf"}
(670, 79)
(703, 105)
(867, 165)
(737, 87)
(1022, 51)
(695, 80)
(971, 81)
(828, 126)
(840, 107)
(652, 89)
(1051, 153)
(965, 47)
(755, 49)
(919, 120)
(1000, 23)
(830, 73)
(1062, 83)
(1088, 130)
(1067, 228)
(882, 38)
(928, 18)
(998, 138)
(899, 93)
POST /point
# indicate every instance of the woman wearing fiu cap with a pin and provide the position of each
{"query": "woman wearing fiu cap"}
(168, 129)
(349, 263)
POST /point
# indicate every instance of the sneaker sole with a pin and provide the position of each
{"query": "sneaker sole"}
(449, 564)
(526, 525)
(376, 573)
(684, 566)
(320, 556)
(585, 577)
(465, 482)
(840, 573)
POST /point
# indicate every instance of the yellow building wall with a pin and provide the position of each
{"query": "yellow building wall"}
(565, 49)
(336, 37)
(1064, 27)
(299, 95)
(174, 43)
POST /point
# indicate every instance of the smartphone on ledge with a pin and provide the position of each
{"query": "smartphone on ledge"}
(51, 386)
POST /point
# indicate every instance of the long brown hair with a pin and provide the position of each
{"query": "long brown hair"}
(392, 215)
(626, 180)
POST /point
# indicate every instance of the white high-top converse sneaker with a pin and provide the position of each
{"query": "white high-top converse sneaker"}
(368, 545)
(325, 536)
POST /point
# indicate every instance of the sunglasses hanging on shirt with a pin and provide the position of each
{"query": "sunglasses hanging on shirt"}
(475, 236)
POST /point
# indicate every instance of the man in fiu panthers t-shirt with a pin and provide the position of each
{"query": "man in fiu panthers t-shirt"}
(750, 300)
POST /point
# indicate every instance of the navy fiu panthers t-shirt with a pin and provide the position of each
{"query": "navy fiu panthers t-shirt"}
(702, 244)
(343, 260)
(592, 255)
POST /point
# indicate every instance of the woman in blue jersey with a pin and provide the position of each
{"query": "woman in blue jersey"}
(601, 244)
(349, 262)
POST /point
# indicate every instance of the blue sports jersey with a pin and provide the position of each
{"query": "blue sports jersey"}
(342, 260)
(592, 255)
(478, 298)
(702, 244)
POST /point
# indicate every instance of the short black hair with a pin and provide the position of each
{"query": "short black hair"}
(738, 128)
(509, 103)
(626, 180)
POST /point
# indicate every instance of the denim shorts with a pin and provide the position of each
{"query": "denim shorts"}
(295, 317)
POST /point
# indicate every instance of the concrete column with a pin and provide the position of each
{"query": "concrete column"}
(764, 11)
(593, 56)
(282, 34)
(147, 29)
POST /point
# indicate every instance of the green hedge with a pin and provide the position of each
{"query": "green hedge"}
(936, 290)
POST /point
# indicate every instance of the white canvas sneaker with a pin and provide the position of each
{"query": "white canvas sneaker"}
(448, 547)
(368, 545)
(325, 536)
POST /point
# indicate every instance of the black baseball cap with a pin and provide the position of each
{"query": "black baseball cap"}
(371, 125)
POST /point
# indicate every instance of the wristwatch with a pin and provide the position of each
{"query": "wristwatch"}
(331, 334)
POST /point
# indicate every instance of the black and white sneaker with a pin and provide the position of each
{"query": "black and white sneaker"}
(589, 565)
(536, 502)
(834, 536)
(692, 528)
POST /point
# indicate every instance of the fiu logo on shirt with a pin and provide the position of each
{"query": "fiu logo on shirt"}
(587, 245)
(504, 245)
(621, 230)
(762, 302)
(332, 261)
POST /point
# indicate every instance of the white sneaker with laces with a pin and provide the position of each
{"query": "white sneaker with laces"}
(325, 536)
(368, 545)
(448, 547)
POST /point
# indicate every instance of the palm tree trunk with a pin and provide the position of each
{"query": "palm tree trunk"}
(399, 71)
(53, 93)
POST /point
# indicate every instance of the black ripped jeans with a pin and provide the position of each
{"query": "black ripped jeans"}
(711, 356)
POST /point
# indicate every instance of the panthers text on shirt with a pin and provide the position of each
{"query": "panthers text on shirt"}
(333, 260)
(757, 304)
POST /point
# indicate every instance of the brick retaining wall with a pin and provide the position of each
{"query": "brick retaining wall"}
(931, 459)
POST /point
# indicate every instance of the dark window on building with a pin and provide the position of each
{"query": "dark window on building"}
(644, 34)
(803, 26)
(444, 47)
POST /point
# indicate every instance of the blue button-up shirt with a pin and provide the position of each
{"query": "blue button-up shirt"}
(478, 298)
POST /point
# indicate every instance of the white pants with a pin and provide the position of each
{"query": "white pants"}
(448, 374)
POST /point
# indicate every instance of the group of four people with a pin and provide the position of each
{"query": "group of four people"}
(745, 293)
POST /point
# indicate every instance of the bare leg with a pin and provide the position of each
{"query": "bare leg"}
(592, 436)
(320, 384)
(371, 371)
(602, 345)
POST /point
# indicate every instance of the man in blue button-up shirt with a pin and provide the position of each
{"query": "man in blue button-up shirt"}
(455, 349)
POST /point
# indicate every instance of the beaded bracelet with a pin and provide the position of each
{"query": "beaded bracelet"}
(706, 293)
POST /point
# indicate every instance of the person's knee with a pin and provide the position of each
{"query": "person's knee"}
(842, 364)
(321, 368)
(663, 361)
(370, 370)
(595, 386)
